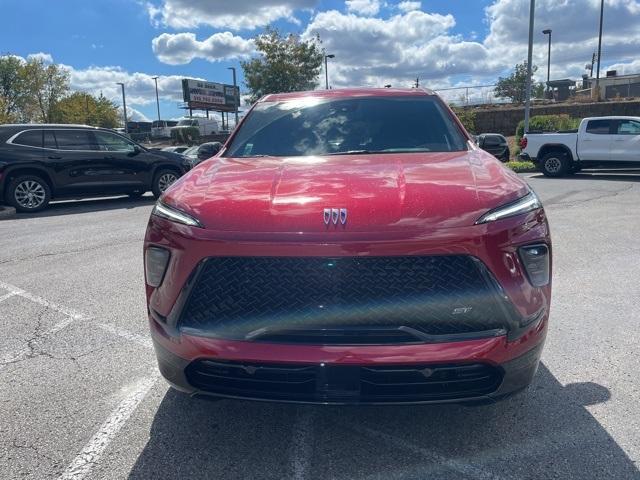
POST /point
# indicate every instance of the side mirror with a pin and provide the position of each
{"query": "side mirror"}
(137, 150)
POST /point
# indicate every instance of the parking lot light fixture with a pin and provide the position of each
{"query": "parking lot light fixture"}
(157, 99)
(124, 107)
(326, 72)
(237, 100)
(548, 32)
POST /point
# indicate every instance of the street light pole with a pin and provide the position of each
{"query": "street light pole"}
(124, 107)
(236, 98)
(157, 99)
(548, 32)
(527, 105)
(326, 72)
(599, 51)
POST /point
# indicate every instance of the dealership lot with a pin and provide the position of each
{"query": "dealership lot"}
(82, 397)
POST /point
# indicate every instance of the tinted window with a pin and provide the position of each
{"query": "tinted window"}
(493, 140)
(628, 127)
(599, 127)
(312, 126)
(30, 138)
(113, 143)
(75, 140)
(49, 139)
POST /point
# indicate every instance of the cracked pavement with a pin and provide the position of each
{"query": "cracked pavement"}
(73, 353)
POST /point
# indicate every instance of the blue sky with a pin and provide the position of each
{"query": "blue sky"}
(445, 42)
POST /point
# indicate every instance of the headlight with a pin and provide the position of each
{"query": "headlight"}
(523, 205)
(175, 215)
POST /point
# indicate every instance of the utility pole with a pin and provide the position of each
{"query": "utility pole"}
(548, 32)
(157, 99)
(124, 107)
(527, 105)
(326, 71)
(417, 82)
(599, 52)
(235, 97)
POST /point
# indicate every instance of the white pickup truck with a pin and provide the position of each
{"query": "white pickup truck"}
(600, 142)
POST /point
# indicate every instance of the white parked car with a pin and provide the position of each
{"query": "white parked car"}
(600, 142)
(162, 128)
(207, 126)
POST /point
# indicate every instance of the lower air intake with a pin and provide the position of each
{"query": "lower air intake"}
(344, 383)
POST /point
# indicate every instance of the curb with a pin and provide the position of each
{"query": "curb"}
(6, 212)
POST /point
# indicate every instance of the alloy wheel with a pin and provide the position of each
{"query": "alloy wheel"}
(165, 180)
(29, 194)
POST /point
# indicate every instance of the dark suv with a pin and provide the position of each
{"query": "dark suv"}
(41, 162)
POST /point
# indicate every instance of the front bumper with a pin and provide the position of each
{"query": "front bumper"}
(335, 374)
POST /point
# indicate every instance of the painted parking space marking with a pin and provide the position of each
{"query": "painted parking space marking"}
(42, 301)
(7, 295)
(142, 340)
(84, 462)
(302, 443)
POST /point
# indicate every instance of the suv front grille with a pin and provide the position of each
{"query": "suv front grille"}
(344, 383)
(344, 300)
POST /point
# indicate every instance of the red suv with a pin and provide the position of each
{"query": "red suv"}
(349, 246)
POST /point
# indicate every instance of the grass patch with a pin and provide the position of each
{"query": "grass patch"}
(521, 167)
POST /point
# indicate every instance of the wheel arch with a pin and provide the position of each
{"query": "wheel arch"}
(17, 171)
(555, 147)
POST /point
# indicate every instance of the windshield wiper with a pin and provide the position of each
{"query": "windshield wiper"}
(350, 152)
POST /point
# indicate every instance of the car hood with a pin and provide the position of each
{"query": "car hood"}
(381, 192)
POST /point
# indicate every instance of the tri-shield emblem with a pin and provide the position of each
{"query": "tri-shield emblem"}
(335, 216)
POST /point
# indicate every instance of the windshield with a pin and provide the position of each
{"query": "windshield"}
(187, 123)
(313, 126)
(158, 124)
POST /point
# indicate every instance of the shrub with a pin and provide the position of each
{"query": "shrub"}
(545, 123)
(468, 119)
(188, 135)
(521, 167)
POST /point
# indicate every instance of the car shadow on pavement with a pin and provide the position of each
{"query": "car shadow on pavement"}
(73, 207)
(545, 432)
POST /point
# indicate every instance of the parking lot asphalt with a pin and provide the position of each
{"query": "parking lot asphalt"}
(81, 396)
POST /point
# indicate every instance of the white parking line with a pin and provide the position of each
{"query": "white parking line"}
(34, 298)
(302, 443)
(87, 459)
(143, 340)
(8, 295)
(459, 466)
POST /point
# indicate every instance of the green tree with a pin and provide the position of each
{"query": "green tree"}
(12, 88)
(285, 64)
(515, 85)
(46, 85)
(81, 107)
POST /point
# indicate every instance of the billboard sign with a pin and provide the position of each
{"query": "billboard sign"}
(210, 95)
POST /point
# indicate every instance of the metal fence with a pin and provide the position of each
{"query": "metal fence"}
(470, 95)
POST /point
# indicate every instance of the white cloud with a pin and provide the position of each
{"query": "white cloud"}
(409, 6)
(134, 115)
(139, 87)
(398, 49)
(575, 33)
(232, 14)
(363, 7)
(182, 48)
(43, 57)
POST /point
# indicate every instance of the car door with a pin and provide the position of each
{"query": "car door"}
(128, 165)
(78, 162)
(594, 144)
(625, 146)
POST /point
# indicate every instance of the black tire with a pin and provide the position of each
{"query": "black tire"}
(160, 180)
(28, 193)
(555, 164)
